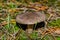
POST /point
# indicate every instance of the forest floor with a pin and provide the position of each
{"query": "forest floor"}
(10, 8)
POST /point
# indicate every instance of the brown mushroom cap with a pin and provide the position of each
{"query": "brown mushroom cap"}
(30, 17)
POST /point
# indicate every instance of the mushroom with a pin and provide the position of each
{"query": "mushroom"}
(28, 19)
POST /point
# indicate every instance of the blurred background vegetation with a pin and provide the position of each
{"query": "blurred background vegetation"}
(10, 8)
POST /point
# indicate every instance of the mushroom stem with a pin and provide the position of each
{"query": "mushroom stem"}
(29, 26)
(29, 29)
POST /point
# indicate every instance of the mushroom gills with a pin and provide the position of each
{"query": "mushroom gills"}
(35, 26)
(22, 26)
(39, 25)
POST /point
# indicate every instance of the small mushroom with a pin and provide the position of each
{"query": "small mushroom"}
(27, 19)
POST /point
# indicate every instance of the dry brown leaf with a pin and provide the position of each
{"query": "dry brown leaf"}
(10, 10)
(3, 23)
(1, 33)
(0, 14)
(43, 8)
(2, 19)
